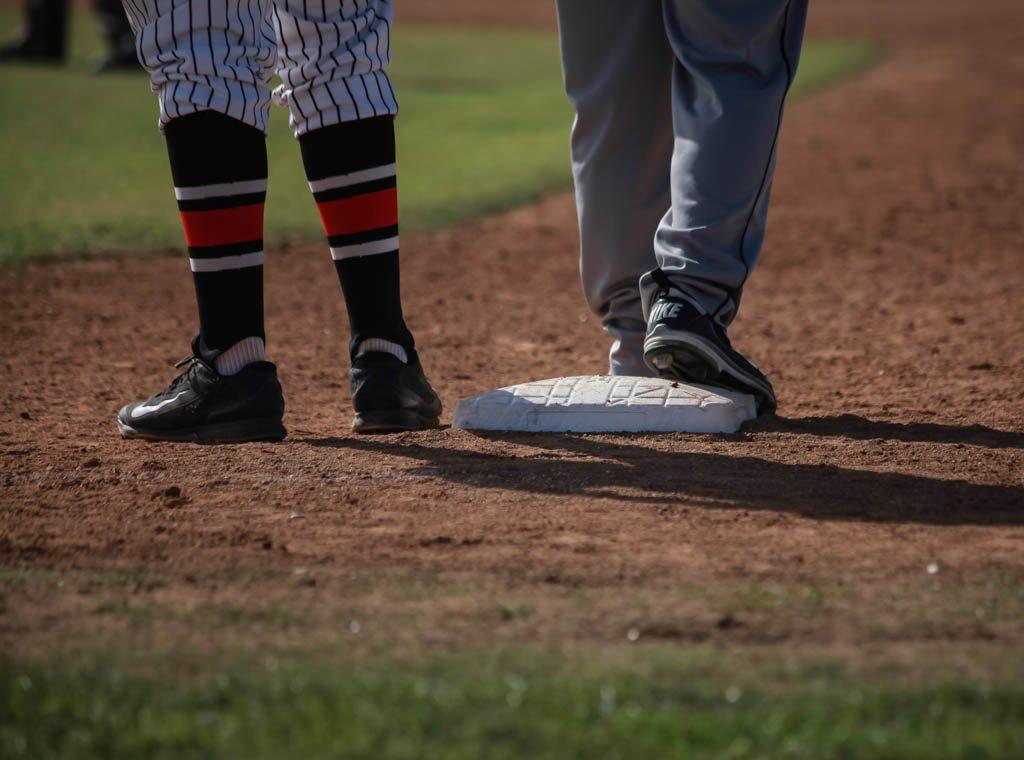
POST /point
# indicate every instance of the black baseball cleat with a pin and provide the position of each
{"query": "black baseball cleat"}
(684, 344)
(390, 395)
(203, 406)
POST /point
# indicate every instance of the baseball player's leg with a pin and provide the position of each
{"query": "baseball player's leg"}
(617, 65)
(119, 36)
(45, 35)
(332, 63)
(734, 63)
(208, 70)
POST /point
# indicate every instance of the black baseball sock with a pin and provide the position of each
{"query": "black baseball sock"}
(219, 167)
(351, 171)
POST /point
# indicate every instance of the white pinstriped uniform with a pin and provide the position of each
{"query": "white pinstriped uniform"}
(219, 54)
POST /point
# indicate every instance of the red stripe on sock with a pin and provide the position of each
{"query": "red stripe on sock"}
(360, 213)
(223, 226)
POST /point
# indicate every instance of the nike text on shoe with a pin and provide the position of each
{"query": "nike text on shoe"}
(390, 395)
(684, 344)
(203, 406)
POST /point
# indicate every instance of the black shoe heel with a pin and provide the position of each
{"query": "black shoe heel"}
(391, 421)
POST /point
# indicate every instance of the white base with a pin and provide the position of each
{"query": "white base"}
(605, 404)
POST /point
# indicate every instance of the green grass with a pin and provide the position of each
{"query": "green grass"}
(484, 127)
(534, 704)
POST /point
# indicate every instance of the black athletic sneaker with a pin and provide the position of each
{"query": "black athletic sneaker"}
(390, 395)
(683, 344)
(203, 406)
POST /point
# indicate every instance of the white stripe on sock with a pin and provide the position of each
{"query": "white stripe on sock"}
(355, 178)
(245, 351)
(365, 249)
(227, 262)
(220, 190)
(383, 346)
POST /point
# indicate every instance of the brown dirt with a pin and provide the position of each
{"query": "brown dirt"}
(887, 310)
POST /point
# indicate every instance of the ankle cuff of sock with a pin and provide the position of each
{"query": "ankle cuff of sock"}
(366, 345)
(244, 352)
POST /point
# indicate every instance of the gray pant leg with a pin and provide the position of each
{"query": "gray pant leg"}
(617, 65)
(733, 65)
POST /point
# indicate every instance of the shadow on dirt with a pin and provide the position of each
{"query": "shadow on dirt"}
(628, 472)
(860, 428)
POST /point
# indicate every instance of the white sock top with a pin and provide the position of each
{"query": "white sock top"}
(384, 346)
(245, 351)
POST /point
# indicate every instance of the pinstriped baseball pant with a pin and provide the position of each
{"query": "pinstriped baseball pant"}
(218, 55)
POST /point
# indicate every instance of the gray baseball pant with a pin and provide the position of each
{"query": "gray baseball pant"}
(678, 106)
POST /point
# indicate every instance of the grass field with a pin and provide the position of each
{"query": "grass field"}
(655, 702)
(484, 126)
(290, 676)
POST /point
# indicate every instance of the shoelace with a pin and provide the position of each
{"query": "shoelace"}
(187, 360)
(190, 361)
(180, 379)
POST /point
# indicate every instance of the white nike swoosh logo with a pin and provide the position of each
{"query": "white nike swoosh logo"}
(144, 409)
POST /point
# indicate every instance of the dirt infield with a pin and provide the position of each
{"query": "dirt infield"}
(883, 506)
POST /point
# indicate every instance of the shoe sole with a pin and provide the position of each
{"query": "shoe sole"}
(691, 358)
(392, 421)
(242, 431)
